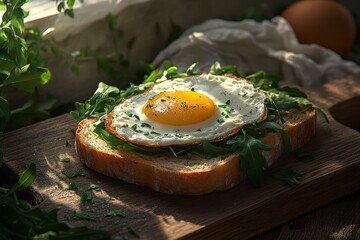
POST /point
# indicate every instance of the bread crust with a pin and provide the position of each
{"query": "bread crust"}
(167, 177)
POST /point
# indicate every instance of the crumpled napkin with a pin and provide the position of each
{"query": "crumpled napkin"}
(251, 46)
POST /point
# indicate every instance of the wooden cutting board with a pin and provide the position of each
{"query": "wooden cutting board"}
(239, 213)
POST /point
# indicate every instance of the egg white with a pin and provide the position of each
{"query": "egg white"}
(238, 103)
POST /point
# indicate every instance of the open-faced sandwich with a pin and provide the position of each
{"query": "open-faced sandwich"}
(193, 133)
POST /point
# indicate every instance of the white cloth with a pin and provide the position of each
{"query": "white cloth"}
(251, 46)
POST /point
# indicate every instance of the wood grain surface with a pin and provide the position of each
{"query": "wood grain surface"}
(239, 213)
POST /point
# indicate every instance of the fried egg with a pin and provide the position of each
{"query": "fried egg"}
(188, 111)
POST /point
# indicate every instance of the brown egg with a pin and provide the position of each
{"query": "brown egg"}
(323, 22)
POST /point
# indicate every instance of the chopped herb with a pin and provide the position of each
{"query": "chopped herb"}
(244, 94)
(155, 133)
(124, 126)
(75, 174)
(135, 128)
(76, 216)
(222, 106)
(229, 110)
(65, 159)
(94, 187)
(220, 120)
(163, 100)
(116, 213)
(129, 114)
(146, 125)
(67, 144)
(149, 105)
(228, 102)
(72, 186)
(184, 105)
(85, 197)
(153, 208)
(192, 89)
(289, 177)
(179, 135)
(199, 130)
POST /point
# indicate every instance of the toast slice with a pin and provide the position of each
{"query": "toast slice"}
(188, 174)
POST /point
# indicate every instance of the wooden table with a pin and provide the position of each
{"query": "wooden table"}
(240, 213)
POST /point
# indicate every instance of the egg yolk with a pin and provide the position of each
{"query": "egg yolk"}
(179, 108)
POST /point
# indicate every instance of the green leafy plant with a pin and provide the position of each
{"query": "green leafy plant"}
(18, 68)
(19, 220)
(66, 7)
(110, 64)
(22, 68)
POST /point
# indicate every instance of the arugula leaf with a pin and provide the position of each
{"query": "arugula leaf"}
(293, 92)
(191, 70)
(26, 179)
(217, 69)
(252, 161)
(104, 100)
(212, 149)
(276, 127)
(265, 81)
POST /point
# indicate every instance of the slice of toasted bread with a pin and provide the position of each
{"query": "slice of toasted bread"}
(188, 174)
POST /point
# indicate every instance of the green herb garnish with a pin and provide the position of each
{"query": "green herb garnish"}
(76, 173)
(72, 186)
(67, 144)
(94, 187)
(289, 177)
(85, 197)
(153, 208)
(116, 213)
(146, 125)
(77, 216)
(65, 159)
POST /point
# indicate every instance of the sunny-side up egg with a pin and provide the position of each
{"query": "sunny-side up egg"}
(188, 110)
